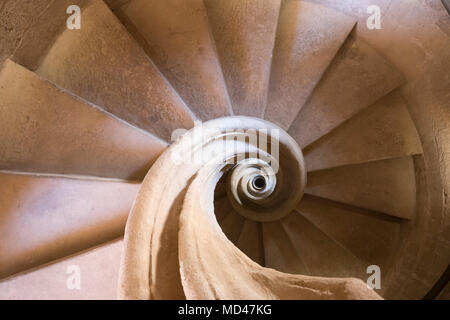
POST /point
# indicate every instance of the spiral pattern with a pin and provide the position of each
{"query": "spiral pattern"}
(174, 247)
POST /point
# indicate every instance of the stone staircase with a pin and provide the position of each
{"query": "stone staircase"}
(85, 114)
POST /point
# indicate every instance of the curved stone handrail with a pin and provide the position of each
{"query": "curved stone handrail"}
(174, 247)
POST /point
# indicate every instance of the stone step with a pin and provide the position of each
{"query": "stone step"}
(45, 129)
(279, 253)
(371, 237)
(357, 77)
(386, 186)
(250, 241)
(103, 64)
(385, 130)
(244, 33)
(321, 254)
(175, 35)
(98, 270)
(45, 218)
(222, 207)
(308, 38)
(232, 225)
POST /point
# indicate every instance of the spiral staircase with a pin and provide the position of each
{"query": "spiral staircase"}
(87, 114)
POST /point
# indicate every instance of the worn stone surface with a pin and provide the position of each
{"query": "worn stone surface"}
(308, 37)
(329, 257)
(251, 241)
(232, 225)
(357, 77)
(382, 131)
(387, 186)
(415, 39)
(99, 269)
(279, 253)
(115, 5)
(44, 129)
(40, 36)
(177, 38)
(16, 19)
(104, 65)
(47, 218)
(244, 32)
(371, 237)
(222, 207)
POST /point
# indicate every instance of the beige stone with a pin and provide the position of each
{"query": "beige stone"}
(357, 77)
(384, 130)
(46, 218)
(308, 38)
(251, 242)
(387, 186)
(103, 64)
(195, 72)
(99, 269)
(371, 112)
(183, 234)
(45, 129)
(279, 253)
(244, 33)
(335, 260)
